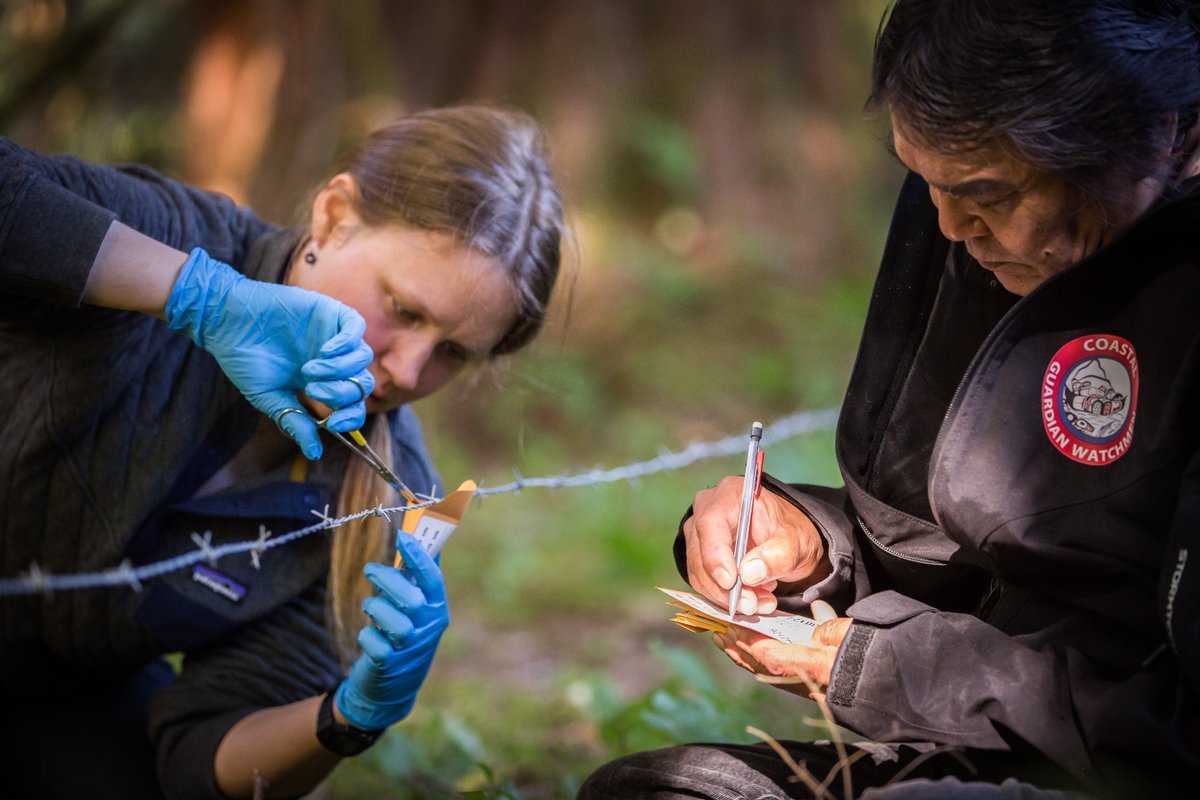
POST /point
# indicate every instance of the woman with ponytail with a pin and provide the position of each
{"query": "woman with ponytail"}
(164, 353)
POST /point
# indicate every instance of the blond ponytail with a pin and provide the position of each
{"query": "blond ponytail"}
(355, 543)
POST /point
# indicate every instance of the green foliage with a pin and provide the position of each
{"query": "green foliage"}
(690, 705)
(438, 755)
(729, 204)
(433, 757)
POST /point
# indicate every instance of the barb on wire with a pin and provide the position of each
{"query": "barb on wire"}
(256, 552)
(204, 542)
(37, 580)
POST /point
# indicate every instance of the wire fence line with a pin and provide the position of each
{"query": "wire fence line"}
(38, 581)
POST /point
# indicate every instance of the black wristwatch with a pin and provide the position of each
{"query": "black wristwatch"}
(345, 740)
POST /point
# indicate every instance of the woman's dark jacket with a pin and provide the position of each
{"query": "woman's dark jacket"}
(1022, 491)
(112, 421)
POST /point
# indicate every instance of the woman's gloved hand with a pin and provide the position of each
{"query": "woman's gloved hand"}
(410, 614)
(273, 341)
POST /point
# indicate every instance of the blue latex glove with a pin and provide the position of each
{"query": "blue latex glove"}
(410, 614)
(273, 341)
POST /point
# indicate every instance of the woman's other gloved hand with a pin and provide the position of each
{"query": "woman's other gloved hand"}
(409, 615)
(273, 341)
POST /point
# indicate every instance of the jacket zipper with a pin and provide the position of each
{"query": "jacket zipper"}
(989, 599)
(896, 553)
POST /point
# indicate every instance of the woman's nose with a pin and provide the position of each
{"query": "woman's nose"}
(405, 363)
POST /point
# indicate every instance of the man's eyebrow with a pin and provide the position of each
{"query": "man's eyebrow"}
(980, 187)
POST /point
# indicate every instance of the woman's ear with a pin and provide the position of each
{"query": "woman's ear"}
(333, 214)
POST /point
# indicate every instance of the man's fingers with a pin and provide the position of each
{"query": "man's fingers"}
(714, 529)
(732, 649)
(831, 632)
(822, 611)
(776, 558)
(798, 660)
(785, 545)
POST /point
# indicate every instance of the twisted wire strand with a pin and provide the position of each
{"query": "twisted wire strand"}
(37, 581)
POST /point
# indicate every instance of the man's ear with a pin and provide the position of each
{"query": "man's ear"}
(333, 214)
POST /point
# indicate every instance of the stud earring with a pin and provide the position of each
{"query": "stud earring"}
(310, 257)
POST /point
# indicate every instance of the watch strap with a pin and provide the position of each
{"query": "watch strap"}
(344, 740)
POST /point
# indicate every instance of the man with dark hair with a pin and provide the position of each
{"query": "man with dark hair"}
(1010, 548)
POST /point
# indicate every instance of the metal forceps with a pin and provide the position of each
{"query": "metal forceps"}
(358, 445)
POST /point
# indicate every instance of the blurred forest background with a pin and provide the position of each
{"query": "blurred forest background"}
(728, 200)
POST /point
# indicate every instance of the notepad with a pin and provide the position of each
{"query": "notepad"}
(699, 615)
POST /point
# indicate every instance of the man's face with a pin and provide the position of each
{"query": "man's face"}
(1020, 223)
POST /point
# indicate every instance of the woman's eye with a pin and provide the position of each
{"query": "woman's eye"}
(455, 353)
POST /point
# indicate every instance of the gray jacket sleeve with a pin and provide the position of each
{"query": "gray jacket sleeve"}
(908, 672)
(56, 210)
(49, 236)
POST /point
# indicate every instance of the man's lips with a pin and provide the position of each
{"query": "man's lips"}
(994, 265)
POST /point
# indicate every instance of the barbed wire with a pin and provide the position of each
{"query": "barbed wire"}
(37, 581)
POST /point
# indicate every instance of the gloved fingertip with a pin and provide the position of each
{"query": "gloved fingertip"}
(351, 322)
(413, 552)
(348, 418)
(307, 441)
(371, 572)
(345, 340)
(336, 346)
(374, 643)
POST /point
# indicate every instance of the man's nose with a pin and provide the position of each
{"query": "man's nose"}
(957, 223)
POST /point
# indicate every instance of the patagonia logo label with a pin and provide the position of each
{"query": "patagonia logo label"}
(223, 585)
(1089, 398)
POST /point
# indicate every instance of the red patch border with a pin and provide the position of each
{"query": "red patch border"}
(1059, 431)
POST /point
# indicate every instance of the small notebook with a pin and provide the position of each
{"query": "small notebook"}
(699, 615)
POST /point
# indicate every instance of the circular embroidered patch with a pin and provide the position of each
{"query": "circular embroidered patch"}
(1089, 398)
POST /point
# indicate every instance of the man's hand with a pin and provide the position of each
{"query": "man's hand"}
(784, 547)
(812, 662)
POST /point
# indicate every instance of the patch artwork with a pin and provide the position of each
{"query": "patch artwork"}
(1089, 398)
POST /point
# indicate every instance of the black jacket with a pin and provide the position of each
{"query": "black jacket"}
(112, 421)
(1013, 547)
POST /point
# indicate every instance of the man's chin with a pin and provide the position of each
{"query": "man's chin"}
(1019, 284)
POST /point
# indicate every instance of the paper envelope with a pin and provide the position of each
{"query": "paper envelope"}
(700, 615)
(433, 524)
